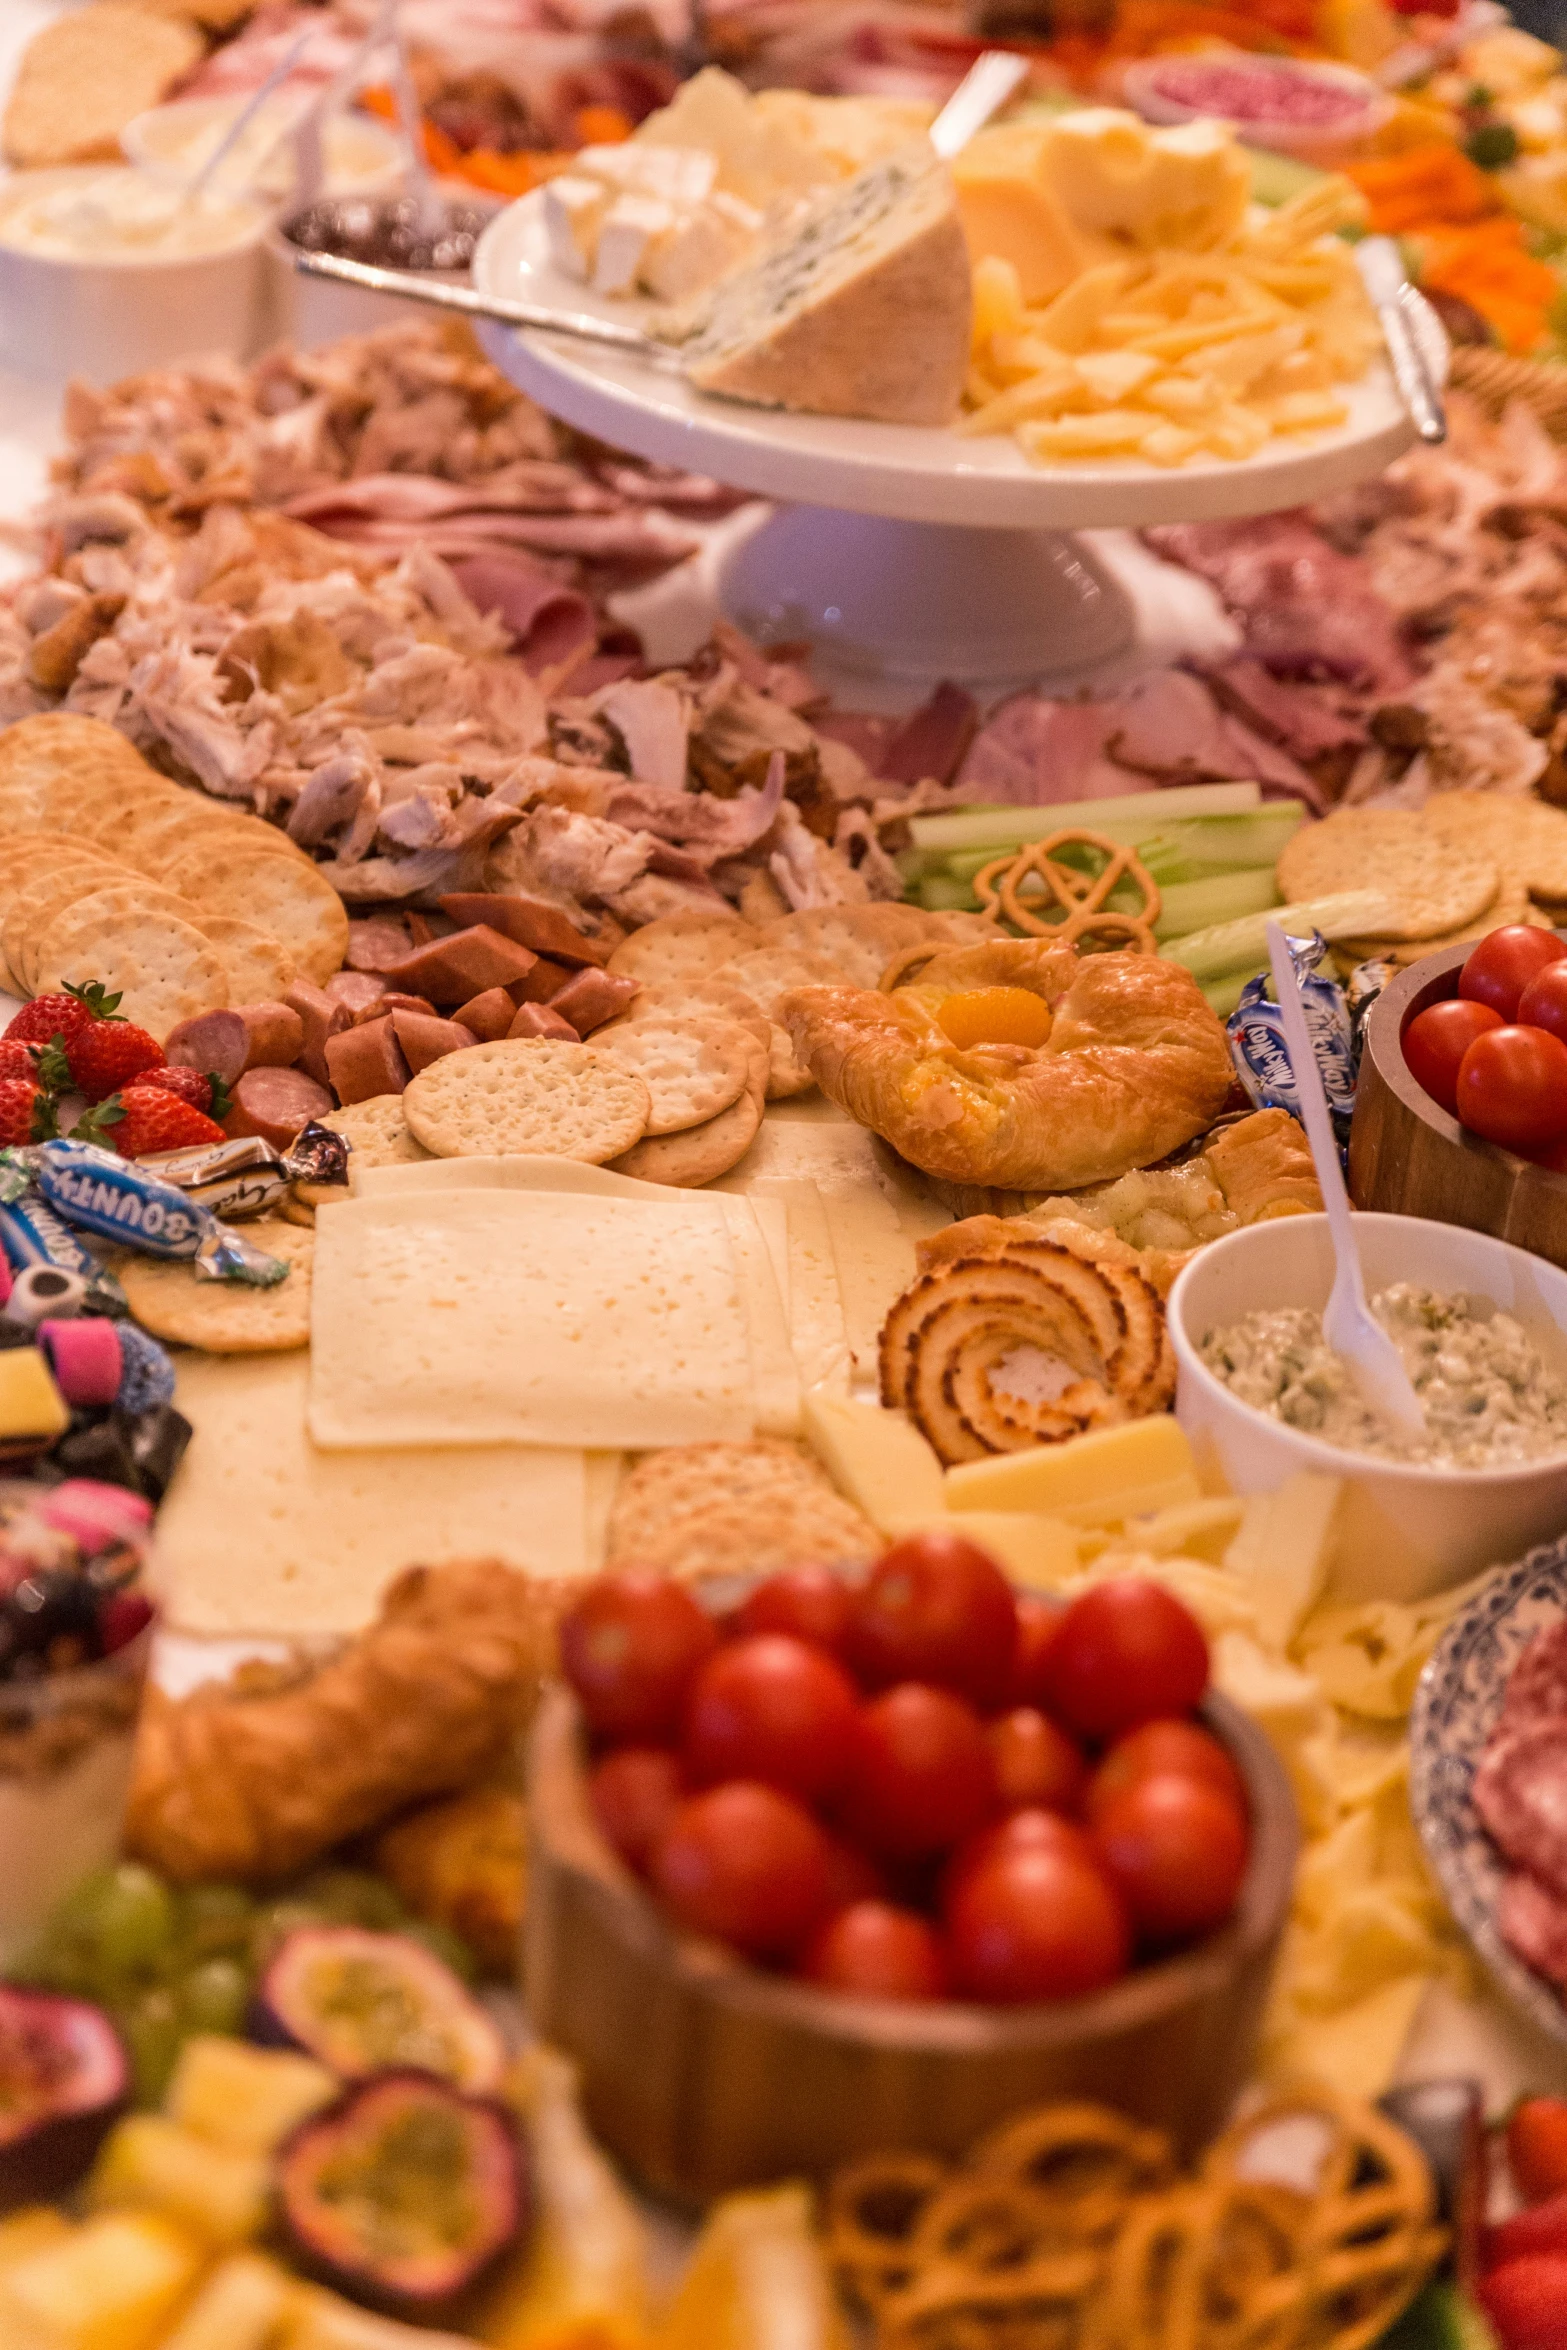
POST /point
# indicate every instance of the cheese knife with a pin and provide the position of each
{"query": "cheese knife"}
(1393, 299)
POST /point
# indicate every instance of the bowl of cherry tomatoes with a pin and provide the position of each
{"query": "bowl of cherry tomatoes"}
(844, 1861)
(1461, 1105)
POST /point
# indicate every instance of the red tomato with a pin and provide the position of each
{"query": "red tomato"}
(1537, 2147)
(1045, 1924)
(1542, 2228)
(744, 1864)
(1021, 1831)
(1036, 1763)
(1437, 1039)
(1036, 1624)
(852, 1875)
(631, 1647)
(771, 1709)
(1177, 1850)
(1176, 1750)
(921, 1776)
(811, 1602)
(1124, 1653)
(1526, 2301)
(635, 1793)
(1512, 1087)
(878, 1950)
(1502, 965)
(1543, 1003)
(936, 1609)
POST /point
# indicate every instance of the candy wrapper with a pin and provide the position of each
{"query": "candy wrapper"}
(247, 1176)
(1361, 990)
(1257, 1047)
(116, 1199)
(32, 1234)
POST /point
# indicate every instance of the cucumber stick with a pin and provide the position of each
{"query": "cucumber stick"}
(1243, 945)
(1188, 906)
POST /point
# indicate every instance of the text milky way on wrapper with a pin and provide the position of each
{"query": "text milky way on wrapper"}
(109, 1196)
(247, 1176)
(1261, 1057)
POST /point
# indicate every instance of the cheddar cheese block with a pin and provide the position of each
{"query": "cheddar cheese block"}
(864, 310)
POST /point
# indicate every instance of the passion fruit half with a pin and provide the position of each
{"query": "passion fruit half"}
(64, 2077)
(363, 2003)
(404, 2194)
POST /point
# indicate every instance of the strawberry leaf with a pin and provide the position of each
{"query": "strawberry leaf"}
(92, 997)
(54, 1070)
(222, 1100)
(45, 1120)
(92, 1124)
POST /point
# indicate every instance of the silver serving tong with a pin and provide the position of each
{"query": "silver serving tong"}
(1394, 300)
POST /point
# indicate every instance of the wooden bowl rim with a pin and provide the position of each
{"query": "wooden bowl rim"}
(561, 1820)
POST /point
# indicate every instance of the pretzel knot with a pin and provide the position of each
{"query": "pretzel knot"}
(1021, 888)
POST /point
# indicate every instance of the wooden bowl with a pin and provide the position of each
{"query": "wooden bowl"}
(1407, 1156)
(704, 2074)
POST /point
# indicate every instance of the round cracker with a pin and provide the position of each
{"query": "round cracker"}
(1434, 886)
(701, 999)
(258, 967)
(1519, 833)
(226, 1317)
(693, 1069)
(680, 946)
(56, 742)
(284, 896)
(65, 881)
(161, 968)
(526, 1096)
(702, 1153)
(861, 940)
(766, 975)
(379, 1134)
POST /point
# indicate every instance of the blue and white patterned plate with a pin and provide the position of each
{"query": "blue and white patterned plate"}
(1457, 1706)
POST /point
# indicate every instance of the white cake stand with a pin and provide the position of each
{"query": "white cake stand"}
(901, 552)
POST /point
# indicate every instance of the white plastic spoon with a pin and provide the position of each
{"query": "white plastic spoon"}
(1348, 1324)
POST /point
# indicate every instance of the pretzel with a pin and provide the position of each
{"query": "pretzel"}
(1080, 896)
(871, 2212)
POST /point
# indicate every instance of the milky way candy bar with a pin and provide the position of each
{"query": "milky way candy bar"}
(247, 1176)
(1257, 1048)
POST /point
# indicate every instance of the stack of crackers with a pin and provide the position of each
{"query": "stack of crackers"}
(108, 871)
(732, 1509)
(1461, 866)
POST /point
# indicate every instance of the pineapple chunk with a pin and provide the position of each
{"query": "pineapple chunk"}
(243, 2097)
(113, 2284)
(28, 2231)
(150, 2163)
(323, 2322)
(241, 2306)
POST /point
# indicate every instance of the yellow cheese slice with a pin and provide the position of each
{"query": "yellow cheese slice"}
(1039, 1553)
(1357, 2051)
(30, 1402)
(877, 1459)
(1100, 1468)
(1283, 1549)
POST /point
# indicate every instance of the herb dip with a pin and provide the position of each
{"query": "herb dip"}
(1489, 1397)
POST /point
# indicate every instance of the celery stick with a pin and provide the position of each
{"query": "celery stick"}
(1224, 994)
(1199, 905)
(941, 893)
(1221, 844)
(1122, 819)
(1243, 945)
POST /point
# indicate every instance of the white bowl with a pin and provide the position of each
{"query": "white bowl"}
(113, 314)
(362, 156)
(1406, 1530)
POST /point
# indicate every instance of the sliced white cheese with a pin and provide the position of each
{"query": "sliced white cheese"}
(775, 1382)
(877, 1459)
(626, 235)
(573, 208)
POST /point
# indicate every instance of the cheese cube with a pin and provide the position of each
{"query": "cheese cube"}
(1011, 214)
(626, 234)
(30, 1402)
(149, 2163)
(111, 2285)
(702, 244)
(677, 175)
(243, 2097)
(573, 208)
(1102, 1468)
(876, 1458)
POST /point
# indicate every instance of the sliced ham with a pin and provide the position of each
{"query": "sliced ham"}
(1533, 1922)
(933, 742)
(1306, 609)
(548, 621)
(276, 1103)
(1300, 719)
(367, 1061)
(1035, 753)
(1520, 1792)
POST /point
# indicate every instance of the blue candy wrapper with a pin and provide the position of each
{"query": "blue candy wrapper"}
(32, 1234)
(116, 1199)
(1257, 1048)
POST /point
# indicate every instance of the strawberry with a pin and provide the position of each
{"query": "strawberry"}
(26, 1111)
(66, 1014)
(108, 1054)
(146, 1118)
(20, 1060)
(204, 1091)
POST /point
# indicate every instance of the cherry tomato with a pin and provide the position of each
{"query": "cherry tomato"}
(1045, 1924)
(852, 1875)
(771, 1709)
(1537, 2147)
(1036, 1623)
(1032, 1830)
(1177, 1850)
(878, 1950)
(1502, 965)
(1176, 1750)
(1036, 1763)
(1124, 1653)
(744, 1864)
(936, 1609)
(635, 1793)
(921, 1775)
(811, 1602)
(1526, 2301)
(1542, 2228)
(1437, 1039)
(1543, 1003)
(631, 1647)
(1512, 1087)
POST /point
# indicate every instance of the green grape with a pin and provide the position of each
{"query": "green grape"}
(280, 1918)
(213, 1997)
(443, 1944)
(152, 2032)
(215, 1921)
(129, 1921)
(353, 1897)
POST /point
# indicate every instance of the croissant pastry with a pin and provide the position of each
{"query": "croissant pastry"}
(1124, 1062)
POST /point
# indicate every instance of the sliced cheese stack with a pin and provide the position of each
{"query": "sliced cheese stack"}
(865, 309)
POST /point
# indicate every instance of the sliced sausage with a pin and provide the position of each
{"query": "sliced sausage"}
(216, 1043)
(356, 990)
(589, 998)
(452, 969)
(532, 922)
(425, 1039)
(367, 1061)
(319, 1017)
(539, 984)
(377, 942)
(489, 1016)
(539, 1020)
(275, 1103)
(277, 1035)
(393, 1002)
